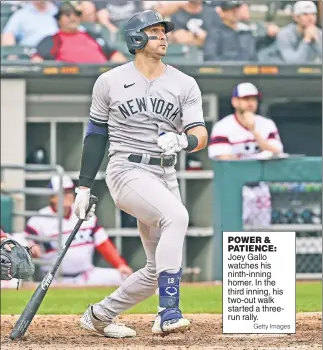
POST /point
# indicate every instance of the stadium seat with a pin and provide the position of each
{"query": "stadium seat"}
(183, 53)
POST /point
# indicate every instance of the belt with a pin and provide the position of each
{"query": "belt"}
(146, 159)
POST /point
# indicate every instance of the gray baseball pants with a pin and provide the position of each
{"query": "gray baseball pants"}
(151, 194)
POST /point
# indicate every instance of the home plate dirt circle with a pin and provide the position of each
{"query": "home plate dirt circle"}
(63, 332)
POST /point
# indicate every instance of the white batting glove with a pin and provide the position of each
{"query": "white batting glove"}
(81, 203)
(172, 143)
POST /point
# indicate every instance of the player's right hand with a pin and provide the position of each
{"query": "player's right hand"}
(81, 203)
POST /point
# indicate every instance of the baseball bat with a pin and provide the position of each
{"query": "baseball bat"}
(31, 308)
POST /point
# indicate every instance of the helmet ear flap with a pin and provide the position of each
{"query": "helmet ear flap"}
(136, 40)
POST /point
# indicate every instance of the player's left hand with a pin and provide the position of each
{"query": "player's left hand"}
(172, 143)
(82, 202)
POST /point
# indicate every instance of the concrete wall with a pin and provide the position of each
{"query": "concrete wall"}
(13, 138)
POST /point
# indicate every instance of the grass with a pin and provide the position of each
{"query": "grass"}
(194, 299)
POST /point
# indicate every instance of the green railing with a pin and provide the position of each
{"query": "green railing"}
(231, 176)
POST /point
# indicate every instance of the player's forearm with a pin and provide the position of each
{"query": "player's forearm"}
(92, 155)
(201, 134)
(264, 145)
(110, 254)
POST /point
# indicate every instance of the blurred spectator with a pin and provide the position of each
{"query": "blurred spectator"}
(114, 13)
(87, 8)
(73, 45)
(242, 135)
(88, 11)
(265, 33)
(301, 42)
(190, 19)
(77, 267)
(157, 5)
(230, 42)
(30, 24)
(212, 13)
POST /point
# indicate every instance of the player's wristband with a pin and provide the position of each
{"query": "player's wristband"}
(192, 142)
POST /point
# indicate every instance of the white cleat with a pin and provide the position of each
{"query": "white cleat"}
(172, 326)
(103, 328)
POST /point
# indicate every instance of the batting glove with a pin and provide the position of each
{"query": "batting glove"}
(172, 143)
(81, 204)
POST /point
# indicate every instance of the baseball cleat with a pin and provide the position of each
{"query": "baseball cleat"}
(170, 321)
(106, 329)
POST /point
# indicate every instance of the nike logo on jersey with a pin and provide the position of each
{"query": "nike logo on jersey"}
(126, 86)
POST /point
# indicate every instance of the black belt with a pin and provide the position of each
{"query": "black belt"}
(163, 162)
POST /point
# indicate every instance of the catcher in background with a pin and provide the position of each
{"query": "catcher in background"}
(247, 135)
(77, 267)
(16, 261)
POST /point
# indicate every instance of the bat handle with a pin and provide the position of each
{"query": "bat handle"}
(93, 200)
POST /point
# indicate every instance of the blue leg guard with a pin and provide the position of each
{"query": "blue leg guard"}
(168, 285)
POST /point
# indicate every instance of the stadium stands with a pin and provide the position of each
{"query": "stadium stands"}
(278, 12)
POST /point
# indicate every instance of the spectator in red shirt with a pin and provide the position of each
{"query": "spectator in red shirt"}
(73, 45)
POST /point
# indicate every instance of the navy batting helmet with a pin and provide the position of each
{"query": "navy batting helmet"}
(136, 38)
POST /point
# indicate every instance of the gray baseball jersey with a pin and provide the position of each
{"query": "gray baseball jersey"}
(138, 110)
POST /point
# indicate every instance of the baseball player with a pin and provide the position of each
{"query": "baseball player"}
(244, 135)
(77, 267)
(149, 111)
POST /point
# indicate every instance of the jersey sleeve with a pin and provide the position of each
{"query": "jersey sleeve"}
(45, 49)
(34, 227)
(219, 143)
(99, 111)
(192, 111)
(274, 137)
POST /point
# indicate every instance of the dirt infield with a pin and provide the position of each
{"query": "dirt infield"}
(63, 332)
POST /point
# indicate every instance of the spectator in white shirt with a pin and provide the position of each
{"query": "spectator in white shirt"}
(245, 134)
(30, 24)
